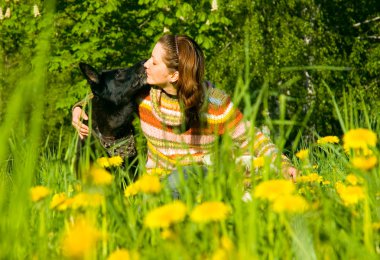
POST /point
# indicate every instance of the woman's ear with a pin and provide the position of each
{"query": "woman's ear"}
(174, 76)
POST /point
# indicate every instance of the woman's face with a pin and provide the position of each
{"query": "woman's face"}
(158, 73)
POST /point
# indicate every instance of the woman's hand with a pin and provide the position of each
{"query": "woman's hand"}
(77, 116)
(291, 173)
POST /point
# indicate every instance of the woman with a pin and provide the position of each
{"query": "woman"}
(182, 116)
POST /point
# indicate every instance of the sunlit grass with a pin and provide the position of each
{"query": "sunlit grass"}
(332, 210)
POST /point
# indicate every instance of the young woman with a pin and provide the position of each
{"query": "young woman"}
(182, 116)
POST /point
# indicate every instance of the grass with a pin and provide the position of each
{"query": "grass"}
(329, 228)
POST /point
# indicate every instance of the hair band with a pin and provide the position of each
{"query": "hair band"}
(176, 44)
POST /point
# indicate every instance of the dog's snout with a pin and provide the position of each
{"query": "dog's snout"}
(142, 70)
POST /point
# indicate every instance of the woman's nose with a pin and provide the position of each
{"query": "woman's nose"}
(146, 64)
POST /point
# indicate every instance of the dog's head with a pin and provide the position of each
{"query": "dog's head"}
(117, 86)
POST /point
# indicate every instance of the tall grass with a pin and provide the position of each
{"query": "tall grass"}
(329, 229)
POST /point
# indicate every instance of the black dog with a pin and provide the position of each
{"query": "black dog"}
(113, 106)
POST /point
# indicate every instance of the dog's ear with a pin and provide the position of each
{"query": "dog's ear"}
(90, 73)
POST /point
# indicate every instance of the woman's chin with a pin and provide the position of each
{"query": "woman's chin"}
(148, 82)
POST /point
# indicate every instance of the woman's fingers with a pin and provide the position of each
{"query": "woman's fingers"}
(77, 115)
(292, 173)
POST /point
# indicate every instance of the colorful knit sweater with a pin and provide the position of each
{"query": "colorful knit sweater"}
(168, 146)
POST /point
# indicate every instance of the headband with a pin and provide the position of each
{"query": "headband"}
(176, 44)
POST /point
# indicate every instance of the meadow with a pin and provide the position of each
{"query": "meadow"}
(331, 212)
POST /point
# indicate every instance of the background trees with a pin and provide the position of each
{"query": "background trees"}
(299, 48)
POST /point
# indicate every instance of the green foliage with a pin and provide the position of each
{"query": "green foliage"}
(294, 46)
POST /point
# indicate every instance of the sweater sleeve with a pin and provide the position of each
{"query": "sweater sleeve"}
(233, 122)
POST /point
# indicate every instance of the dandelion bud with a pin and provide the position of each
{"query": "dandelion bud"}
(36, 12)
(214, 5)
(1, 14)
(7, 13)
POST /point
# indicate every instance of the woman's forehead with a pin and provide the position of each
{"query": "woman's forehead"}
(158, 51)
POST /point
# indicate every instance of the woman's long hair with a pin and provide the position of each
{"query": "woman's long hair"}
(184, 55)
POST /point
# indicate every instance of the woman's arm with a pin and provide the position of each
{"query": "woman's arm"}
(262, 145)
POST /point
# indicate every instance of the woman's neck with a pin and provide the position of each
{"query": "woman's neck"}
(170, 89)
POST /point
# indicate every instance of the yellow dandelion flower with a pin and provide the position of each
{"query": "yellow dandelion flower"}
(158, 171)
(150, 184)
(226, 243)
(132, 189)
(328, 140)
(106, 162)
(120, 254)
(65, 204)
(167, 234)
(312, 177)
(364, 163)
(37, 193)
(272, 189)
(146, 184)
(290, 204)
(303, 154)
(339, 185)
(359, 139)
(351, 195)
(210, 211)
(115, 161)
(80, 240)
(352, 179)
(325, 182)
(103, 162)
(100, 176)
(166, 215)
(225, 250)
(258, 162)
(58, 200)
(220, 254)
(87, 200)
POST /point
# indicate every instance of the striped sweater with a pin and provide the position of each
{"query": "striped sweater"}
(168, 146)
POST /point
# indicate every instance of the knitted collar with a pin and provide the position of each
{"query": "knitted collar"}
(166, 107)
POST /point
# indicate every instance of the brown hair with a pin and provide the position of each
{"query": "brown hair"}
(184, 55)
